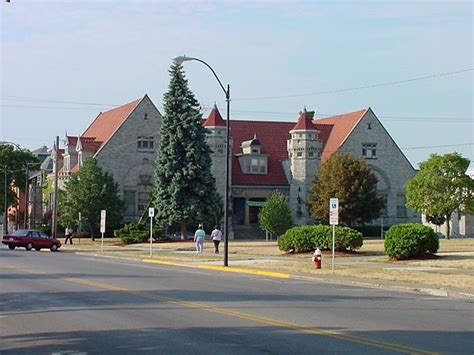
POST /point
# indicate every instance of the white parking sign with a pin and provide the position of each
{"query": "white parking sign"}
(334, 211)
(151, 212)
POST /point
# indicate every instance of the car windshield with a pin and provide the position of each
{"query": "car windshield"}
(20, 232)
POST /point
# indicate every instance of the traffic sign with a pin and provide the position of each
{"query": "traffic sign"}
(334, 211)
(151, 212)
(102, 221)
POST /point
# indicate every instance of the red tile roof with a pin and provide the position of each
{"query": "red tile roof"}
(273, 136)
(339, 128)
(305, 121)
(106, 123)
(90, 144)
(214, 119)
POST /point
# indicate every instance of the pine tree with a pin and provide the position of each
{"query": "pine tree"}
(185, 192)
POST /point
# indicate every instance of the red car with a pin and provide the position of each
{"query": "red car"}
(29, 239)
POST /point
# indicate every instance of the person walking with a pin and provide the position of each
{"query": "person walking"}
(68, 233)
(216, 238)
(199, 239)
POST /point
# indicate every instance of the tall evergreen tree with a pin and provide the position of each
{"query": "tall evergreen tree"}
(89, 191)
(185, 192)
(351, 181)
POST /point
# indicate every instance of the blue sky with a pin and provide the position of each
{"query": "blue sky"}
(62, 62)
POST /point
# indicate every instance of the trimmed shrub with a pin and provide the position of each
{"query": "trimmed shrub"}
(347, 239)
(410, 240)
(307, 238)
(133, 233)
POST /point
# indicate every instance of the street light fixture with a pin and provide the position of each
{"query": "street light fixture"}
(179, 60)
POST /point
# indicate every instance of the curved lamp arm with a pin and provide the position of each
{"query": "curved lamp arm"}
(182, 58)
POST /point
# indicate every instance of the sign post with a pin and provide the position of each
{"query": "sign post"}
(333, 220)
(151, 214)
(102, 229)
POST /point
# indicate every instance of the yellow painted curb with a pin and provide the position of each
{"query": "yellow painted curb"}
(221, 268)
(245, 271)
(162, 262)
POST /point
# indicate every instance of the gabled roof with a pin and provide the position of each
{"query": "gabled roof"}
(90, 144)
(273, 136)
(214, 119)
(305, 121)
(339, 127)
(106, 123)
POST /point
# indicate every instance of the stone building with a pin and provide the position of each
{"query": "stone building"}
(284, 156)
(124, 142)
(265, 156)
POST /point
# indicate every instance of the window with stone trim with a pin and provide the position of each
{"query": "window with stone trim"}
(401, 206)
(130, 203)
(146, 143)
(369, 150)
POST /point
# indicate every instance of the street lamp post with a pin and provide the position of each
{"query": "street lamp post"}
(180, 60)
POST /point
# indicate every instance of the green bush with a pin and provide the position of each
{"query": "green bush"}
(133, 233)
(410, 240)
(347, 239)
(307, 238)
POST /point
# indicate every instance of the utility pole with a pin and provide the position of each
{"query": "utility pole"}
(54, 228)
(25, 222)
(5, 222)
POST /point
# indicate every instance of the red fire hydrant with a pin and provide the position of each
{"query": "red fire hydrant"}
(317, 259)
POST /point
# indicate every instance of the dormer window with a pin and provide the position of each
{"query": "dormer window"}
(251, 160)
(67, 163)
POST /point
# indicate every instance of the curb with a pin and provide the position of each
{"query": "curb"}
(438, 292)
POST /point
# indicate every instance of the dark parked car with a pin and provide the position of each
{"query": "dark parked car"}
(29, 239)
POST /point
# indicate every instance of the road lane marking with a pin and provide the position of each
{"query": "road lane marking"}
(222, 268)
(234, 314)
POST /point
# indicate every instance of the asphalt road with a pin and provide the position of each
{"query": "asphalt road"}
(67, 303)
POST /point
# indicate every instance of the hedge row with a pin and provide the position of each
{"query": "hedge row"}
(307, 238)
(132, 233)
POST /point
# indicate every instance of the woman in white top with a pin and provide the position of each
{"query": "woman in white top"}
(216, 238)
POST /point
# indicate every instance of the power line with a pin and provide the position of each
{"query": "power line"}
(440, 146)
(357, 87)
(26, 98)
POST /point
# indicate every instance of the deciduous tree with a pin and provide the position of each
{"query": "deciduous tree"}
(89, 191)
(275, 214)
(441, 187)
(351, 181)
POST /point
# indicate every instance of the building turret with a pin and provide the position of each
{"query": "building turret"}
(304, 152)
(216, 139)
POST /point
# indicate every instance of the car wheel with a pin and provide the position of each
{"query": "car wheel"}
(29, 246)
(54, 247)
(11, 247)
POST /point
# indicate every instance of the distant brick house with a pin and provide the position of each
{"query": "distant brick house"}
(266, 156)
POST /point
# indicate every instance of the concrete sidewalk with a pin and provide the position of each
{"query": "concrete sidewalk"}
(369, 268)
